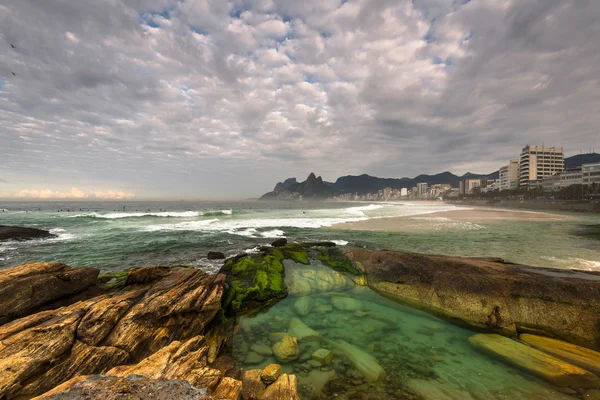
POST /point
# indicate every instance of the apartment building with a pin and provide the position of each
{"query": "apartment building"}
(590, 173)
(509, 175)
(563, 179)
(539, 162)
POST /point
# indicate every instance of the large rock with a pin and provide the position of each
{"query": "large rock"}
(284, 388)
(536, 362)
(490, 294)
(577, 355)
(363, 362)
(42, 350)
(20, 233)
(27, 288)
(313, 279)
(302, 331)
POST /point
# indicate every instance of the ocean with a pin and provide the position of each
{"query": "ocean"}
(117, 235)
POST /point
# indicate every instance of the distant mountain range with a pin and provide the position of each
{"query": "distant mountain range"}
(315, 188)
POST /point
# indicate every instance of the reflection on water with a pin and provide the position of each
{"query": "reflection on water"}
(380, 350)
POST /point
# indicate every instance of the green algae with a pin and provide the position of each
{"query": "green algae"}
(335, 259)
(115, 279)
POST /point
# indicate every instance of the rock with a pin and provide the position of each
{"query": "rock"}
(542, 365)
(580, 356)
(323, 356)
(284, 388)
(324, 308)
(313, 279)
(275, 337)
(228, 389)
(490, 294)
(346, 303)
(304, 305)
(27, 288)
(314, 364)
(279, 242)
(287, 349)
(253, 358)
(318, 379)
(252, 385)
(262, 349)
(270, 373)
(40, 351)
(215, 255)
(132, 387)
(301, 331)
(363, 362)
(21, 233)
(593, 394)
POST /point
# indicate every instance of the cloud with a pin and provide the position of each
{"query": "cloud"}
(202, 98)
(74, 193)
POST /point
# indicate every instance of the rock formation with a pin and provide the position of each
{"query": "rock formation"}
(21, 233)
(312, 188)
(490, 294)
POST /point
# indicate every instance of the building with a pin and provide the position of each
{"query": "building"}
(590, 173)
(539, 162)
(404, 192)
(562, 180)
(491, 185)
(509, 175)
(421, 190)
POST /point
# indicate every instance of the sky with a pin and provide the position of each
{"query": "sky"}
(210, 99)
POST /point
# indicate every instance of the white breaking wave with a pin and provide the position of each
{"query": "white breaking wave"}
(339, 242)
(359, 210)
(227, 212)
(172, 214)
(61, 234)
(275, 233)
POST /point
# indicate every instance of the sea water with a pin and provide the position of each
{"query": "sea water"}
(381, 350)
(116, 235)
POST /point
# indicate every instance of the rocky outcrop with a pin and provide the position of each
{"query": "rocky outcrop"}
(40, 351)
(28, 288)
(490, 294)
(21, 233)
(312, 188)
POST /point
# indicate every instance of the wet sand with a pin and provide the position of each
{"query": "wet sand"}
(473, 216)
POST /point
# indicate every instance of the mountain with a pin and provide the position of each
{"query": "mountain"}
(312, 188)
(580, 159)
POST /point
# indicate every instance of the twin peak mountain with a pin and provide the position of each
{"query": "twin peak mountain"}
(290, 189)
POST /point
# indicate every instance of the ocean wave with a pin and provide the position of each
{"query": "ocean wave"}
(359, 210)
(216, 213)
(339, 242)
(119, 215)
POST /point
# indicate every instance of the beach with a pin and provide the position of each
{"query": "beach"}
(434, 220)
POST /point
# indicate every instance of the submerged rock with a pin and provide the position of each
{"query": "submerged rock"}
(261, 349)
(27, 288)
(286, 349)
(215, 255)
(313, 279)
(302, 331)
(363, 362)
(323, 356)
(346, 303)
(490, 294)
(580, 356)
(536, 362)
(253, 358)
(304, 305)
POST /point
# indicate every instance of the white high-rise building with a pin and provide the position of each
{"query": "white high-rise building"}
(509, 175)
(422, 190)
(538, 162)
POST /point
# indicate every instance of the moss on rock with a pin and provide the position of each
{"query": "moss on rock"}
(335, 259)
(114, 280)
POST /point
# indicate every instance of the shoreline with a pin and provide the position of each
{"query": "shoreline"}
(466, 215)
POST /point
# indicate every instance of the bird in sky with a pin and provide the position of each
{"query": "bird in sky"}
(13, 46)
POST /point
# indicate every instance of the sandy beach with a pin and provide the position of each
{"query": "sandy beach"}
(446, 218)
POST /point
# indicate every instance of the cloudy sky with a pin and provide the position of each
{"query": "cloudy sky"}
(190, 99)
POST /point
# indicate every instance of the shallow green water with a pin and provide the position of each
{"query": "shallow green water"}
(421, 356)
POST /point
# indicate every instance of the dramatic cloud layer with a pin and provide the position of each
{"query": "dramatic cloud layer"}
(210, 98)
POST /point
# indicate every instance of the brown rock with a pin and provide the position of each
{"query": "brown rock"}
(27, 288)
(43, 350)
(284, 388)
(228, 389)
(490, 294)
(270, 373)
(252, 384)
(580, 356)
(286, 349)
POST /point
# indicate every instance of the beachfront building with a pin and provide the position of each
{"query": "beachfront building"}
(421, 190)
(560, 180)
(539, 162)
(590, 173)
(509, 175)
(403, 192)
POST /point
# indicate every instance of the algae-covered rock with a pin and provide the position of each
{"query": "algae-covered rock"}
(363, 362)
(346, 303)
(275, 337)
(577, 355)
(337, 260)
(262, 349)
(304, 305)
(536, 362)
(302, 331)
(257, 280)
(286, 349)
